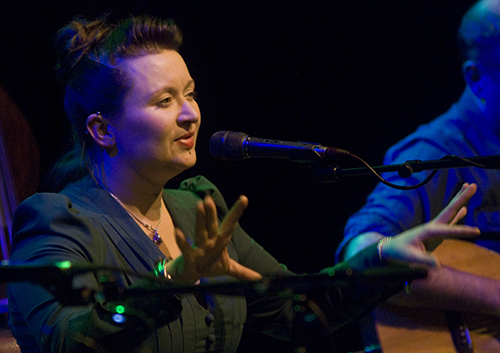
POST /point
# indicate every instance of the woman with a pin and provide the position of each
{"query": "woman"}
(131, 101)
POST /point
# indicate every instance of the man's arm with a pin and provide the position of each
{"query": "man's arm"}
(450, 289)
(360, 242)
(445, 288)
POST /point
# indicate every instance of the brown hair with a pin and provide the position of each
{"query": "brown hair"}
(89, 55)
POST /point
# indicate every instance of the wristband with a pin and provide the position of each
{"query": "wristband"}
(380, 244)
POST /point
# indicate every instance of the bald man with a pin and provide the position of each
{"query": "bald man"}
(471, 127)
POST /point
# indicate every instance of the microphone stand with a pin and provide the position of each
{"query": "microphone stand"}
(282, 286)
(59, 281)
(333, 173)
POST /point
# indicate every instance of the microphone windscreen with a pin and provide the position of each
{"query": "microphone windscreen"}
(228, 145)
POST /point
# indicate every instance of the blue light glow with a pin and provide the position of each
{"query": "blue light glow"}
(118, 318)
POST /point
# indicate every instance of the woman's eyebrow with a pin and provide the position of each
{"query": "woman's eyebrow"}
(156, 94)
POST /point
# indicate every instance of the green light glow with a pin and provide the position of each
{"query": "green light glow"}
(160, 268)
(120, 309)
(64, 264)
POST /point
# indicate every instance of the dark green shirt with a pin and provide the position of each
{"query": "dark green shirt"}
(83, 224)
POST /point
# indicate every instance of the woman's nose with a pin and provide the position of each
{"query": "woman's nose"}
(189, 113)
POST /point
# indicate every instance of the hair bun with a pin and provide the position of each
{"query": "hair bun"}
(76, 41)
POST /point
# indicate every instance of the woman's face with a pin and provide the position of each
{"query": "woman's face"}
(159, 125)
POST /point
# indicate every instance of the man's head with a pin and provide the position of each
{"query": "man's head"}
(479, 33)
(479, 41)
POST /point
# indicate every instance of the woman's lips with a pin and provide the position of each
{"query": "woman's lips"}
(186, 140)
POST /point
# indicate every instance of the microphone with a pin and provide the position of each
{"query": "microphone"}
(235, 146)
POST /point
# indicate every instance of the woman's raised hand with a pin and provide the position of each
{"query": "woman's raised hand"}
(208, 257)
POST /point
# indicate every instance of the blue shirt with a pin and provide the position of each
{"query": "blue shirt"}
(461, 131)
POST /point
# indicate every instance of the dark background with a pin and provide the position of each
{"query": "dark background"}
(353, 74)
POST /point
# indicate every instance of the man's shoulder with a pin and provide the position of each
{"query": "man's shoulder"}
(435, 139)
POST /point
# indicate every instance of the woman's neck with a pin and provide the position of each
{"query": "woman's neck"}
(137, 194)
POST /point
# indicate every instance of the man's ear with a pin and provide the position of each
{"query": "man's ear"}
(474, 77)
(100, 129)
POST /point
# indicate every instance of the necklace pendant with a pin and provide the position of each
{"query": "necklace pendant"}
(156, 237)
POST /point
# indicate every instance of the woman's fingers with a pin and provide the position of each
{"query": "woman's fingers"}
(207, 226)
(200, 233)
(216, 258)
(229, 223)
(241, 272)
(182, 243)
(209, 254)
(212, 224)
(206, 221)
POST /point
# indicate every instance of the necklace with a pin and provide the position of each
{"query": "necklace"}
(156, 236)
